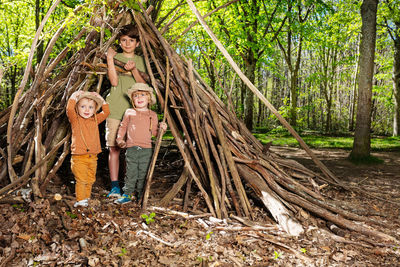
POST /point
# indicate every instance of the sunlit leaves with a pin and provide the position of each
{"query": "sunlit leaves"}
(131, 4)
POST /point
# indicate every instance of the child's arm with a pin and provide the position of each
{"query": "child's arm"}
(111, 71)
(131, 66)
(105, 110)
(156, 126)
(70, 110)
(122, 131)
(104, 114)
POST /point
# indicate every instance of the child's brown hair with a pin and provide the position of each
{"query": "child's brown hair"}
(129, 30)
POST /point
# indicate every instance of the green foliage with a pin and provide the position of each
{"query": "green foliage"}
(71, 215)
(168, 135)
(123, 252)
(72, 3)
(277, 255)
(19, 207)
(184, 224)
(208, 236)
(249, 31)
(148, 218)
(132, 4)
(279, 131)
(18, 28)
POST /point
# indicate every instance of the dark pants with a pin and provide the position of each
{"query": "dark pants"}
(137, 163)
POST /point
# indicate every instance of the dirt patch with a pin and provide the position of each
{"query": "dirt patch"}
(48, 232)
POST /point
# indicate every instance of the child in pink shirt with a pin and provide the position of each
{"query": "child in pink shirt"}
(137, 127)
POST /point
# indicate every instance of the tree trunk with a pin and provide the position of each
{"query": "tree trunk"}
(293, 99)
(353, 97)
(249, 106)
(294, 74)
(38, 19)
(362, 136)
(262, 76)
(396, 81)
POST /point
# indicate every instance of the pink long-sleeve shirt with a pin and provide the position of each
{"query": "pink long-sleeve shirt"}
(135, 126)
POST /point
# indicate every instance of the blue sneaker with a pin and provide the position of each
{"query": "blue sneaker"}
(115, 192)
(123, 199)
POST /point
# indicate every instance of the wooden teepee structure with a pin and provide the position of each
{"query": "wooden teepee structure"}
(225, 161)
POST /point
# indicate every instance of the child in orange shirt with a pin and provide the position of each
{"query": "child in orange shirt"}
(85, 141)
(137, 126)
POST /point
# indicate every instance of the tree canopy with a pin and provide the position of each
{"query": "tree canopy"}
(303, 55)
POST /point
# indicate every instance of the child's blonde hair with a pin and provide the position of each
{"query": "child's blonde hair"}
(142, 87)
(91, 96)
(137, 92)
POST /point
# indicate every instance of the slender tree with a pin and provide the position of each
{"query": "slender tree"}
(396, 78)
(291, 47)
(391, 17)
(254, 28)
(362, 136)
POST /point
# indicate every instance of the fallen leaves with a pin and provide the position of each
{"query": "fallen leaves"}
(52, 233)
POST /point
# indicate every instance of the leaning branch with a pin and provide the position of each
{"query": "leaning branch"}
(251, 86)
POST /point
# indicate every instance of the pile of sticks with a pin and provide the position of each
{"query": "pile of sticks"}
(226, 162)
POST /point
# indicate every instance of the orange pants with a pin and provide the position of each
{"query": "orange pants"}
(84, 169)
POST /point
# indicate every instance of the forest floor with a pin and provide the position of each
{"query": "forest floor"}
(48, 232)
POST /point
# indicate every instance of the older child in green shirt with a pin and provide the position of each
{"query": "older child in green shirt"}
(117, 98)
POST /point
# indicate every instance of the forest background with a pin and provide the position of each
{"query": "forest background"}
(302, 55)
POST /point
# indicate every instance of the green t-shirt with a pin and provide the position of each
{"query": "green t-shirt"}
(117, 98)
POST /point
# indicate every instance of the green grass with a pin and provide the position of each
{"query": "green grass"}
(168, 135)
(322, 141)
(314, 140)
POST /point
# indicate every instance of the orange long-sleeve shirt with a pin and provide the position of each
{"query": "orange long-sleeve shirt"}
(85, 130)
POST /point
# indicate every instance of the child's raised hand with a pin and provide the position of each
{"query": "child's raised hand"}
(163, 126)
(111, 53)
(76, 94)
(130, 65)
(99, 96)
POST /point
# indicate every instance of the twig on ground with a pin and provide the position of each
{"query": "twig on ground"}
(117, 228)
(272, 240)
(239, 229)
(179, 213)
(155, 237)
(8, 259)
